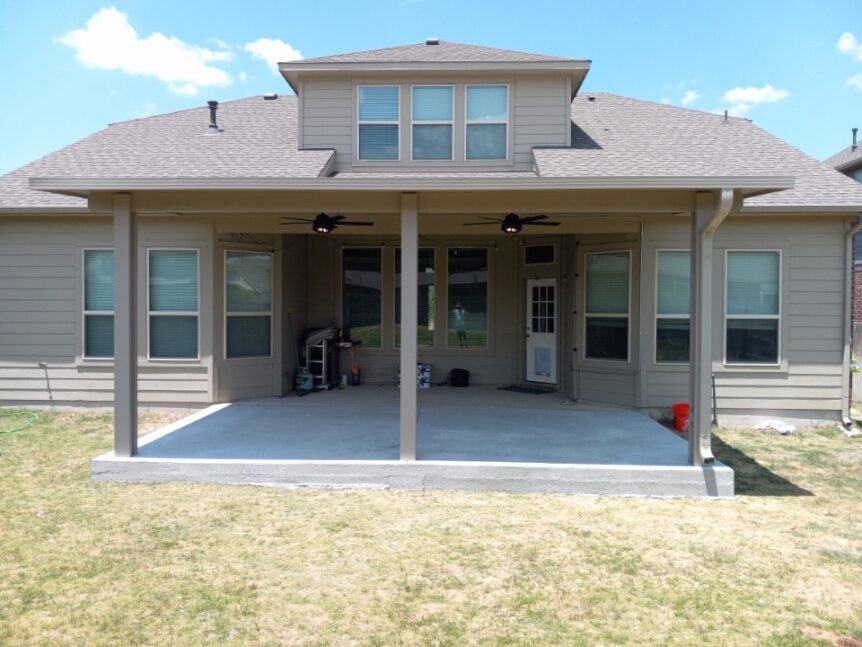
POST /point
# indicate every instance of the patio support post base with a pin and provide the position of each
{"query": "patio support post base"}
(409, 307)
(125, 327)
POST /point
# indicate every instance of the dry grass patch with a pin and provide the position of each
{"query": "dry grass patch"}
(109, 563)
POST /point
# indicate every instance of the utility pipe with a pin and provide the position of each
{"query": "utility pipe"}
(848, 324)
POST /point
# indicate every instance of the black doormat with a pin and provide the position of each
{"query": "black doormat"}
(532, 389)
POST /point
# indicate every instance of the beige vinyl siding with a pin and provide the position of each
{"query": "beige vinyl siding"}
(809, 377)
(41, 313)
(541, 118)
(327, 117)
(539, 115)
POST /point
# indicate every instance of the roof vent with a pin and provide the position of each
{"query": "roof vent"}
(271, 96)
(591, 98)
(213, 129)
(432, 41)
(853, 147)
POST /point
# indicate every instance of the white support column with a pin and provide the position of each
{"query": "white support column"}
(706, 218)
(125, 327)
(409, 307)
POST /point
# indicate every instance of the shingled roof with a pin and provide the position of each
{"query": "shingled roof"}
(845, 158)
(612, 136)
(258, 139)
(442, 52)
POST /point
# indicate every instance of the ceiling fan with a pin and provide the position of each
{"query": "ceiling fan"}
(324, 224)
(513, 223)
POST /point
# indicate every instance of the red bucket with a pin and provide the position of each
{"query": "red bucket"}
(680, 416)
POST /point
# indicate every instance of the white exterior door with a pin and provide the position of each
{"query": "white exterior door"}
(542, 331)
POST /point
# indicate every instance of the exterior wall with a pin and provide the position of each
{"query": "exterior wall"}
(807, 383)
(41, 296)
(538, 116)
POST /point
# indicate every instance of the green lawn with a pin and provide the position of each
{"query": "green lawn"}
(89, 563)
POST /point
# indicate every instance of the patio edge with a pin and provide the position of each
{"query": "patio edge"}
(714, 481)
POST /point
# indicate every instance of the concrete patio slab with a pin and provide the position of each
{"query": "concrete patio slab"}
(474, 439)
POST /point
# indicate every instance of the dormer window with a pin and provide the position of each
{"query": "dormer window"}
(379, 121)
(433, 114)
(487, 122)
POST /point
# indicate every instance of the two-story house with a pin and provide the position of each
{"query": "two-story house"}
(622, 253)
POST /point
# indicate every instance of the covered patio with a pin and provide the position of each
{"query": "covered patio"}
(478, 438)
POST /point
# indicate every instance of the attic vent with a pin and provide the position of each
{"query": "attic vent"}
(272, 96)
(432, 41)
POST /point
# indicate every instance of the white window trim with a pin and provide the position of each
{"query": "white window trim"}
(174, 313)
(432, 122)
(395, 322)
(658, 316)
(611, 315)
(488, 304)
(359, 122)
(468, 122)
(261, 313)
(84, 311)
(528, 245)
(778, 317)
(341, 293)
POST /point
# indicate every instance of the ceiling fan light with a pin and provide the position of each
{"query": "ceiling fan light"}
(322, 224)
(511, 224)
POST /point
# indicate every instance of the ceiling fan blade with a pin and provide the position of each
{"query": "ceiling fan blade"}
(490, 218)
(298, 220)
(354, 223)
(527, 219)
(293, 224)
(337, 218)
(471, 224)
(543, 224)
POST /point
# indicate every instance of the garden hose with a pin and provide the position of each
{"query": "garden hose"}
(31, 416)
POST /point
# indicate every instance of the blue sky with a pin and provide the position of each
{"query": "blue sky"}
(70, 68)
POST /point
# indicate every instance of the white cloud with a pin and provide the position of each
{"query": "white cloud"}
(690, 97)
(742, 100)
(848, 44)
(109, 42)
(272, 51)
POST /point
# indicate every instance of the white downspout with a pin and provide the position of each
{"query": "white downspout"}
(848, 325)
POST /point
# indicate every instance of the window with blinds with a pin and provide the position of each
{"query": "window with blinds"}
(248, 304)
(607, 305)
(487, 122)
(432, 123)
(673, 306)
(752, 307)
(172, 298)
(379, 122)
(98, 304)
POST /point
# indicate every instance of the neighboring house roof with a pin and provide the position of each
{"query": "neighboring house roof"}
(612, 136)
(846, 158)
(258, 139)
(443, 52)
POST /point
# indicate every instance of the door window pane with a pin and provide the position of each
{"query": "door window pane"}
(360, 295)
(427, 298)
(467, 297)
(248, 304)
(607, 306)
